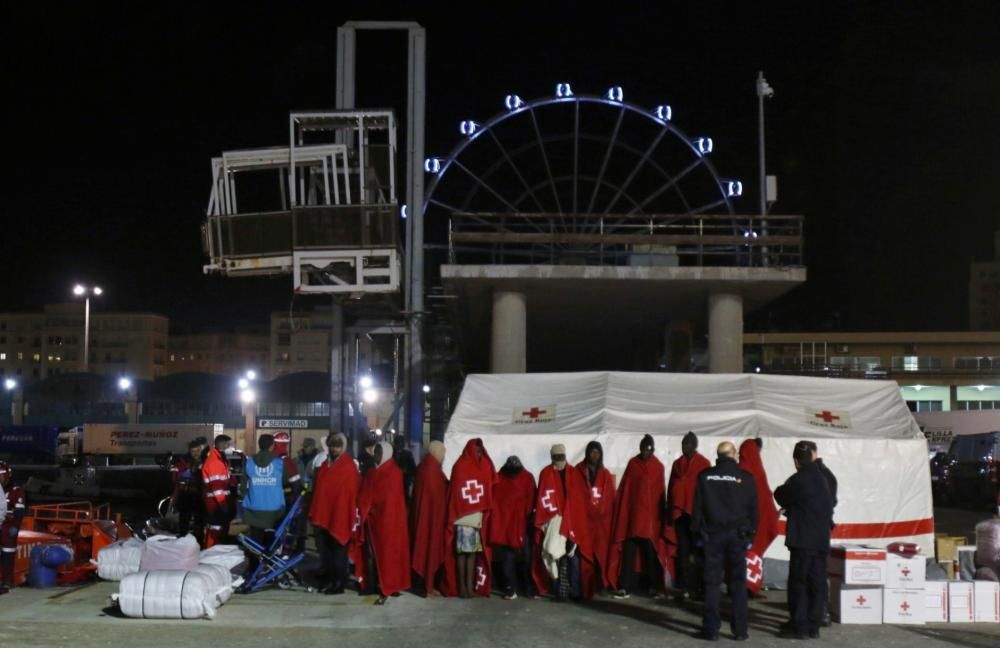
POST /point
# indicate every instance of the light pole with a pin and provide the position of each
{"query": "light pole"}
(17, 401)
(763, 90)
(248, 396)
(125, 385)
(83, 291)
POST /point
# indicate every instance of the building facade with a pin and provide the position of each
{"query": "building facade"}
(936, 371)
(34, 346)
(984, 292)
(219, 353)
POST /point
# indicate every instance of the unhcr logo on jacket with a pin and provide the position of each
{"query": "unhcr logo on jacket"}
(263, 476)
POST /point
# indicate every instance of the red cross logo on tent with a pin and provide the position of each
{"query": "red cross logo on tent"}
(357, 520)
(906, 571)
(861, 600)
(533, 413)
(595, 492)
(827, 417)
(905, 606)
(755, 569)
(480, 576)
(473, 491)
(547, 502)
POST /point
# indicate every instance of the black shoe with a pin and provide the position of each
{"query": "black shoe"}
(826, 623)
(742, 637)
(788, 633)
(705, 636)
(814, 634)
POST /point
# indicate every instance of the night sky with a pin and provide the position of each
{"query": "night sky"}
(884, 132)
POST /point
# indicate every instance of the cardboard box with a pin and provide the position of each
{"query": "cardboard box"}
(855, 604)
(902, 572)
(946, 547)
(987, 600)
(936, 601)
(949, 568)
(857, 564)
(903, 606)
(961, 606)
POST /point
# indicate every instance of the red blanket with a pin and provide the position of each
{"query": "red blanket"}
(767, 512)
(382, 506)
(680, 498)
(571, 504)
(513, 501)
(469, 491)
(334, 499)
(639, 512)
(427, 519)
(600, 515)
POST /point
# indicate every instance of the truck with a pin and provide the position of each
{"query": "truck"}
(144, 442)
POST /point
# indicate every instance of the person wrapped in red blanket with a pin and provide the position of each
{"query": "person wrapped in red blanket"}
(600, 514)
(767, 513)
(333, 512)
(562, 537)
(470, 504)
(681, 553)
(385, 565)
(428, 516)
(511, 528)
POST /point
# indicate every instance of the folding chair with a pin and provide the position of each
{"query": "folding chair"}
(274, 565)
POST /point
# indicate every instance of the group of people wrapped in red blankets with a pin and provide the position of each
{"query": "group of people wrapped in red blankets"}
(571, 534)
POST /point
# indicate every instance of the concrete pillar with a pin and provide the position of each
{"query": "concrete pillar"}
(725, 333)
(132, 409)
(508, 352)
(17, 407)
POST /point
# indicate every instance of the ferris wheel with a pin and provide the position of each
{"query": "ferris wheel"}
(578, 165)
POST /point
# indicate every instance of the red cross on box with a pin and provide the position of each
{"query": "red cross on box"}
(905, 606)
(906, 571)
(861, 600)
(827, 417)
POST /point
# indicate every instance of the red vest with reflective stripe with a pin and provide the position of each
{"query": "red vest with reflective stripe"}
(215, 472)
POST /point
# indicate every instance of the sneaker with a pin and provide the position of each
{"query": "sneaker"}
(657, 595)
(510, 597)
(622, 595)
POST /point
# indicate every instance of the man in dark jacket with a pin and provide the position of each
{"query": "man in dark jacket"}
(725, 519)
(808, 505)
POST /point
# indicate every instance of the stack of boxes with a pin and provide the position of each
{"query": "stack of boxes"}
(871, 586)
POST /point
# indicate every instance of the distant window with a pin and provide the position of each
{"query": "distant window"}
(924, 406)
(3, 356)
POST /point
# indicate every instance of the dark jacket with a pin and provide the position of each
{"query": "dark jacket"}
(725, 500)
(831, 481)
(809, 508)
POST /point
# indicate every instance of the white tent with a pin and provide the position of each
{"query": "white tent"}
(865, 433)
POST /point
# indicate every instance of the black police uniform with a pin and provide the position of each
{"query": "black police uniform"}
(725, 519)
(808, 506)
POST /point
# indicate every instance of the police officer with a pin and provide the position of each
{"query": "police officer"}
(725, 520)
(808, 505)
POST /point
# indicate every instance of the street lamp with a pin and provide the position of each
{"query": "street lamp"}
(83, 291)
(124, 383)
(10, 384)
(763, 91)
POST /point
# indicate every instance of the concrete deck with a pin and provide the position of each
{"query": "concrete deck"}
(83, 616)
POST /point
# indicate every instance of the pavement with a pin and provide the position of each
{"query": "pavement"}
(84, 616)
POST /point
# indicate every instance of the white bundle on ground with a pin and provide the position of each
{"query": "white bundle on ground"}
(988, 544)
(229, 556)
(220, 581)
(119, 559)
(168, 553)
(168, 594)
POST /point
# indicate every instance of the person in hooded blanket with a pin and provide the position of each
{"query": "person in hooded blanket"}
(600, 515)
(470, 505)
(637, 529)
(562, 536)
(767, 513)
(333, 511)
(681, 550)
(428, 517)
(510, 531)
(385, 566)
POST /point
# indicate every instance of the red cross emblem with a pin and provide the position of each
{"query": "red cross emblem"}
(905, 606)
(861, 600)
(595, 492)
(473, 491)
(357, 520)
(906, 571)
(533, 413)
(480, 576)
(547, 502)
(755, 568)
(827, 417)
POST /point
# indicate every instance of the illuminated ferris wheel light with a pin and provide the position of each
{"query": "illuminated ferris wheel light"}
(432, 165)
(468, 127)
(664, 113)
(704, 145)
(615, 94)
(563, 90)
(734, 188)
(513, 102)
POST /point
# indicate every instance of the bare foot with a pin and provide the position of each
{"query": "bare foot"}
(433, 593)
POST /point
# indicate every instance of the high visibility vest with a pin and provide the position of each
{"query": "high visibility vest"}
(264, 486)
